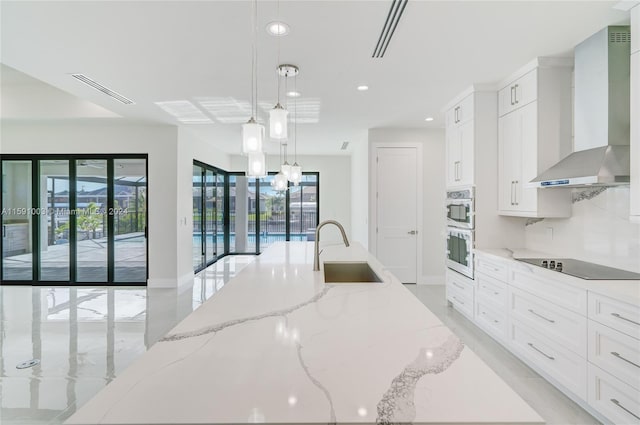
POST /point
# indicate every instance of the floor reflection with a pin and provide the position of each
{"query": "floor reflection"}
(85, 337)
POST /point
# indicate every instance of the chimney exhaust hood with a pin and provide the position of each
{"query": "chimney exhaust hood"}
(601, 154)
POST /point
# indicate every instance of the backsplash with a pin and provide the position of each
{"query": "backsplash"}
(599, 230)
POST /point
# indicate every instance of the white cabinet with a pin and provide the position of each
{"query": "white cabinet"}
(460, 143)
(470, 121)
(519, 93)
(15, 238)
(614, 358)
(460, 292)
(617, 401)
(534, 132)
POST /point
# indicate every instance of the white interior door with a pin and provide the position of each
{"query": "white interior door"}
(397, 211)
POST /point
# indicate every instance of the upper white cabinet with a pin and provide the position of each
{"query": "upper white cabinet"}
(460, 143)
(518, 94)
(465, 130)
(634, 113)
(534, 132)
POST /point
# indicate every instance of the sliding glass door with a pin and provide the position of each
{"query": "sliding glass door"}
(74, 219)
(208, 188)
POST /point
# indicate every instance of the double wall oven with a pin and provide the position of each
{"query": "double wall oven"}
(460, 226)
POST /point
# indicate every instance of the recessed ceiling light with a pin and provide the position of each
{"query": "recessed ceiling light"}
(277, 28)
(293, 94)
(429, 119)
(363, 88)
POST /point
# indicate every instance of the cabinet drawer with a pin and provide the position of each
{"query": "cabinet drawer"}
(493, 320)
(561, 294)
(492, 267)
(617, 401)
(460, 293)
(492, 289)
(615, 352)
(563, 365)
(616, 314)
(555, 322)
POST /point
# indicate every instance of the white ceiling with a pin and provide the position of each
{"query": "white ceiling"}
(156, 51)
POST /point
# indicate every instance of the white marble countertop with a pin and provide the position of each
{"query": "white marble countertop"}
(278, 345)
(622, 290)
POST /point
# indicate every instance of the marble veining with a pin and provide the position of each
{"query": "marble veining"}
(224, 325)
(397, 404)
(332, 411)
(254, 353)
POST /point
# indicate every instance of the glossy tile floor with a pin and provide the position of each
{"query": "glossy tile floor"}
(550, 403)
(86, 336)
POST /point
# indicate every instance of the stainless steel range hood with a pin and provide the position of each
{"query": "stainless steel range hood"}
(601, 117)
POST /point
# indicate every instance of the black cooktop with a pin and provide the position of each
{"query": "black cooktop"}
(582, 269)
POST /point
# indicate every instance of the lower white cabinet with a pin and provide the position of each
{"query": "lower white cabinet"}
(586, 343)
(460, 292)
(615, 352)
(550, 356)
(557, 323)
(617, 401)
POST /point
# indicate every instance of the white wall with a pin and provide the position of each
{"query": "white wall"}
(189, 148)
(598, 230)
(158, 141)
(433, 225)
(360, 191)
(335, 187)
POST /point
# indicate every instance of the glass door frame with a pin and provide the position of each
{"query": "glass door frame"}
(224, 250)
(73, 178)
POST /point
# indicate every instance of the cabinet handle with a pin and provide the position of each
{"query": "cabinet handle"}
(515, 193)
(412, 232)
(4, 231)
(624, 318)
(541, 352)
(458, 114)
(461, 302)
(617, 403)
(512, 89)
(541, 316)
(458, 286)
(515, 91)
(613, 353)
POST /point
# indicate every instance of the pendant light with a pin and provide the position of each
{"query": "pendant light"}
(295, 171)
(279, 182)
(252, 131)
(278, 115)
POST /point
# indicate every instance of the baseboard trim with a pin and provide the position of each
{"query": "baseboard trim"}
(432, 280)
(181, 284)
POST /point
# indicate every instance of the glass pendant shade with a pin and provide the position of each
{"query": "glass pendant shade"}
(278, 122)
(252, 136)
(280, 182)
(256, 166)
(286, 169)
(295, 175)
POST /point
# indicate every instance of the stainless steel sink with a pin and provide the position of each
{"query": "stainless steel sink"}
(349, 272)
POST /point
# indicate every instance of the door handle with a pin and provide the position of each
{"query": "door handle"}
(515, 92)
(412, 232)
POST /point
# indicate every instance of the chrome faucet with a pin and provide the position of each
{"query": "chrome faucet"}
(316, 253)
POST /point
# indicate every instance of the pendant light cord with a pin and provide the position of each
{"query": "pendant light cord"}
(254, 65)
(279, 37)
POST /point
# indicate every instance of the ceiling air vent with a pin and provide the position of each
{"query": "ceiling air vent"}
(344, 146)
(393, 17)
(88, 81)
(619, 37)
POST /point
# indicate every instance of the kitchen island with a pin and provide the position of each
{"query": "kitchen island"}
(278, 345)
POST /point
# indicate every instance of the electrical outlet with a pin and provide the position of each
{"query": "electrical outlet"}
(549, 233)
